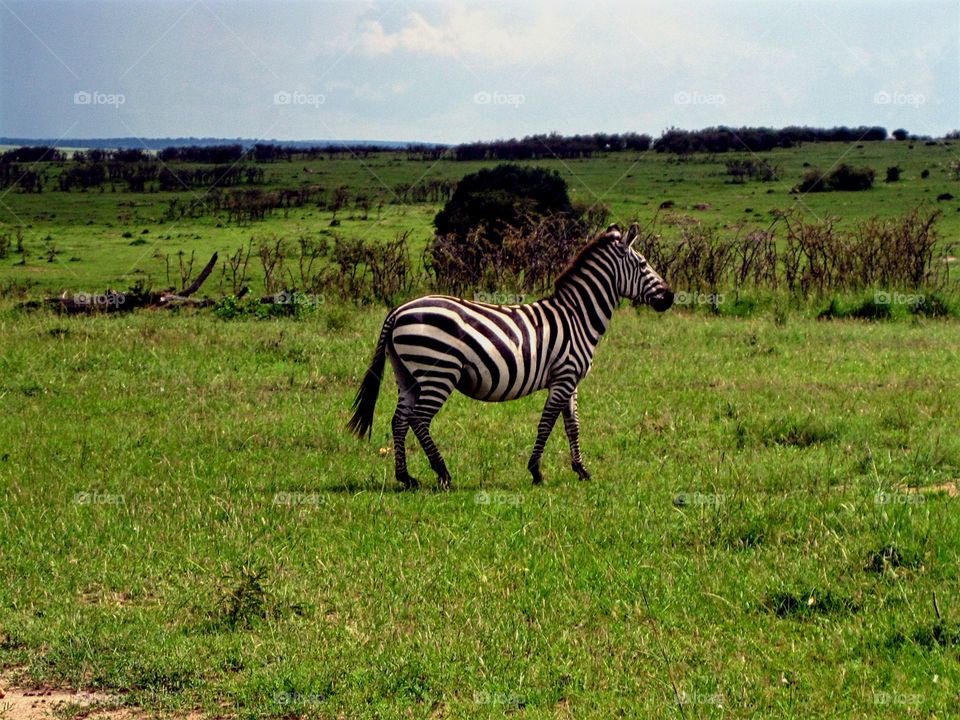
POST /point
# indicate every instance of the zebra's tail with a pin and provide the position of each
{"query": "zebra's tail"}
(361, 424)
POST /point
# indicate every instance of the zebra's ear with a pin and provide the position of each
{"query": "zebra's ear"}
(613, 230)
(632, 234)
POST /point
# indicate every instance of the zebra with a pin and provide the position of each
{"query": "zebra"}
(438, 344)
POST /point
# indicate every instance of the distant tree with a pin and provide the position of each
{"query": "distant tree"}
(505, 196)
(128, 155)
(813, 181)
(340, 197)
(842, 178)
(554, 145)
(29, 154)
(900, 134)
(849, 178)
(507, 222)
(218, 154)
(362, 204)
(758, 139)
(893, 174)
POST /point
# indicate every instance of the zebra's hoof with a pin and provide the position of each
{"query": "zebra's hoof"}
(409, 482)
(581, 471)
(537, 477)
(444, 481)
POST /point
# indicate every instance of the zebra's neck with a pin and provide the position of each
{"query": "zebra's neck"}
(591, 300)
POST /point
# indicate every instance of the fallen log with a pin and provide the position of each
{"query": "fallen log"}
(106, 302)
(171, 299)
(112, 301)
(204, 274)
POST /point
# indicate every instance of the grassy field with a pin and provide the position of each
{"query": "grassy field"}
(185, 520)
(772, 530)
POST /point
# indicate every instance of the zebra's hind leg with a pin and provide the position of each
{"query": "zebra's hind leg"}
(432, 397)
(557, 400)
(401, 422)
(571, 423)
(407, 394)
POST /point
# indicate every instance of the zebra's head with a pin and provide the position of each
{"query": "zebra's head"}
(636, 279)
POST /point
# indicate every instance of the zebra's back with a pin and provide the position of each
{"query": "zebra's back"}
(488, 352)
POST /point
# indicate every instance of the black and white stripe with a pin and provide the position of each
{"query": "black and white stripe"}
(437, 344)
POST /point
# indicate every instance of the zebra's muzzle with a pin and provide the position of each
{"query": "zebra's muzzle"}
(663, 300)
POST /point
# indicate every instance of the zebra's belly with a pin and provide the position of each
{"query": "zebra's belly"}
(480, 384)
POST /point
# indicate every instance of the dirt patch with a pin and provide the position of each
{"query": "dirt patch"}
(949, 487)
(47, 703)
(19, 703)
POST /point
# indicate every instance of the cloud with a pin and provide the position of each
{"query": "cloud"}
(498, 35)
(418, 36)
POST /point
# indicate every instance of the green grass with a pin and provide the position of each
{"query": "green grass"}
(184, 520)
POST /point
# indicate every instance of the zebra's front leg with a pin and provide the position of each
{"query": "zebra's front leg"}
(571, 423)
(421, 429)
(557, 400)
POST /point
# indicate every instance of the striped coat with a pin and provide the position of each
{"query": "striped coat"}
(438, 344)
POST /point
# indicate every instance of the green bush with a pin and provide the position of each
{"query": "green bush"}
(842, 178)
(504, 196)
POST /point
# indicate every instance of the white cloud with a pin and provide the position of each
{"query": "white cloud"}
(498, 34)
(418, 36)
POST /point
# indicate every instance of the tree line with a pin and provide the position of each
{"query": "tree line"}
(759, 139)
(541, 147)
(230, 164)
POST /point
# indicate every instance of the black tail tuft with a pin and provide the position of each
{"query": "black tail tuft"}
(361, 424)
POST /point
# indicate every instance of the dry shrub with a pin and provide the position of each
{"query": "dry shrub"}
(353, 268)
(526, 258)
(380, 272)
(814, 257)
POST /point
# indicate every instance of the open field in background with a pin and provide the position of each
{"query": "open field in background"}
(772, 530)
(114, 238)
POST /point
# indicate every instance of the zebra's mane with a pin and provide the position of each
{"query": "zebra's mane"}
(565, 277)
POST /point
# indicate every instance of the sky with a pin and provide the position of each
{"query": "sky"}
(454, 72)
